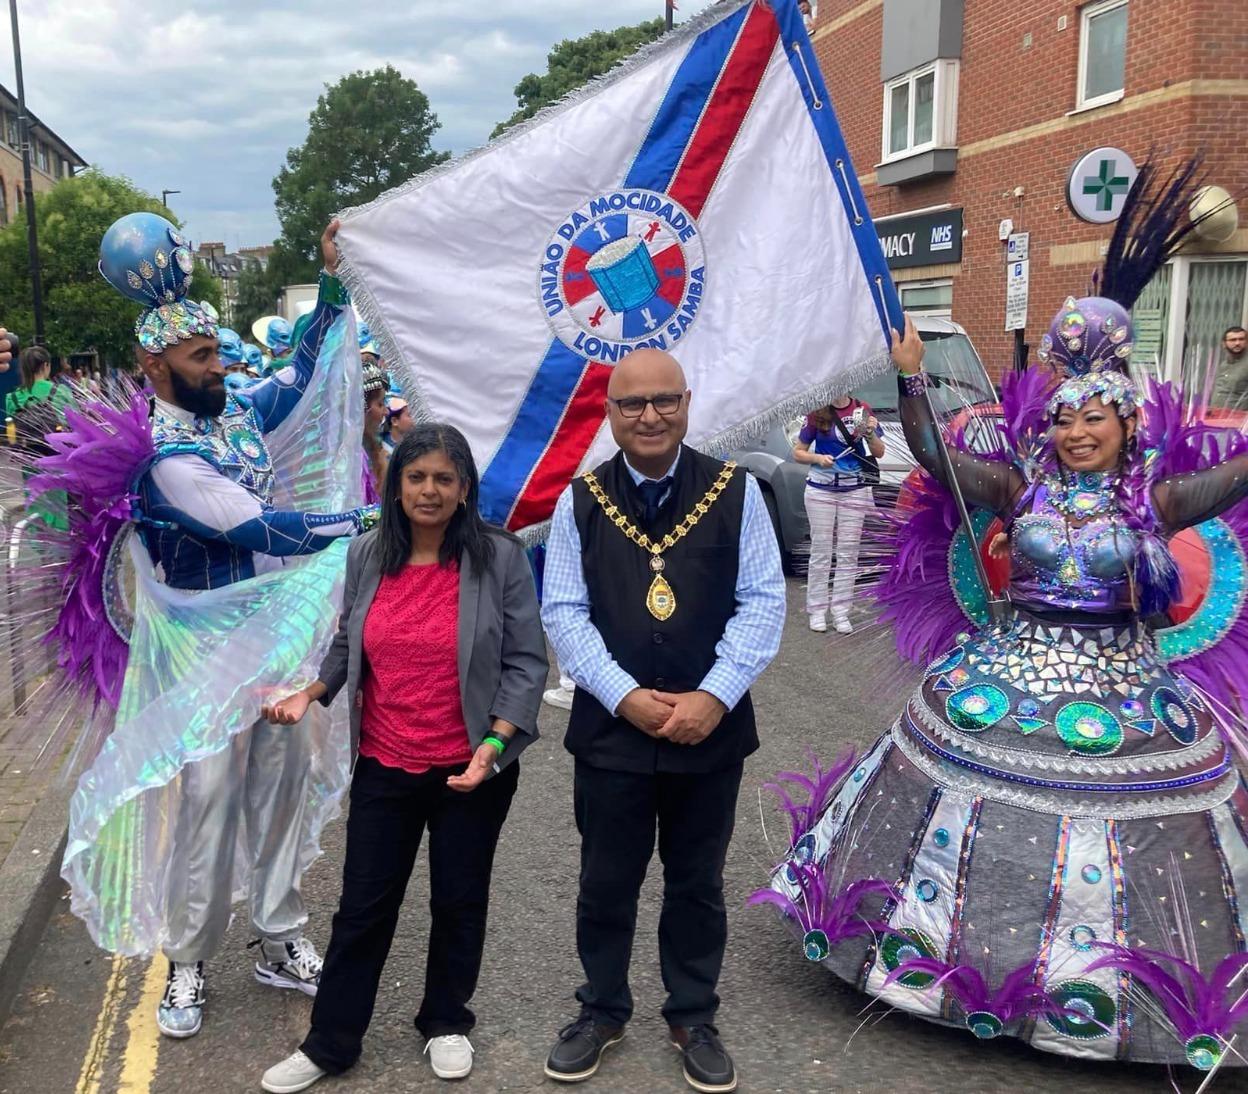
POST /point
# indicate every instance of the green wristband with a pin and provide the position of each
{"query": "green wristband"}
(501, 745)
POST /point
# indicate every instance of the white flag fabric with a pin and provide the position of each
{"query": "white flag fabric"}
(699, 199)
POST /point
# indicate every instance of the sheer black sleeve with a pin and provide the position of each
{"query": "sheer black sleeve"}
(1184, 500)
(988, 484)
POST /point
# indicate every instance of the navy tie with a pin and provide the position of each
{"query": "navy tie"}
(651, 493)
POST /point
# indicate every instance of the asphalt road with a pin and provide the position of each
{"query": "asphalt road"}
(84, 1022)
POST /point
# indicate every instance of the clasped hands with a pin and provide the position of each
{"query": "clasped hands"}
(687, 718)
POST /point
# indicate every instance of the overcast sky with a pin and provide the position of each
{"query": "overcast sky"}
(206, 96)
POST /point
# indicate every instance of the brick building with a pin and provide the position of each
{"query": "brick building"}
(963, 114)
(51, 158)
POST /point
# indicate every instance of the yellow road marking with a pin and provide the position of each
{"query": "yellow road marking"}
(105, 1024)
(138, 1058)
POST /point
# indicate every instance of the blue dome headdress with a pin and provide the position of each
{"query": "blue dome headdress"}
(1089, 340)
(144, 258)
(231, 346)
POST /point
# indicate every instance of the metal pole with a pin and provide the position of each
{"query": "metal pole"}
(996, 605)
(670, 13)
(32, 232)
(165, 194)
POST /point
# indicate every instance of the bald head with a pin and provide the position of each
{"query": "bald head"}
(648, 407)
(646, 372)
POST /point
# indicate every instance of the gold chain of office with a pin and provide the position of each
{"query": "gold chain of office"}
(660, 598)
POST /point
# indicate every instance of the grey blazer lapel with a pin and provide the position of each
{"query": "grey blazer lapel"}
(365, 594)
(469, 599)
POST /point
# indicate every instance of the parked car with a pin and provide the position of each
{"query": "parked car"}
(959, 380)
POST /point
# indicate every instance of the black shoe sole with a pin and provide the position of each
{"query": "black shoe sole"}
(581, 1076)
(698, 1084)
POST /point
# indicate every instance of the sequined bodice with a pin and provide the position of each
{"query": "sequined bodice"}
(232, 443)
(1082, 567)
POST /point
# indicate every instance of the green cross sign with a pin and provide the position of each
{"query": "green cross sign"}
(1105, 185)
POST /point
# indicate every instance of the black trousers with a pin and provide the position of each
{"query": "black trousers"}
(617, 814)
(390, 810)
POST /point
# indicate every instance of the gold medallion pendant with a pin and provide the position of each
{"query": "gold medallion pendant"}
(661, 600)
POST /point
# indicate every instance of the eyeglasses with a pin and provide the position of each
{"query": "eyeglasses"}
(634, 406)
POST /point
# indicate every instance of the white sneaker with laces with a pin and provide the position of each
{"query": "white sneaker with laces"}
(293, 1074)
(818, 622)
(843, 625)
(560, 697)
(450, 1056)
(294, 964)
(181, 1011)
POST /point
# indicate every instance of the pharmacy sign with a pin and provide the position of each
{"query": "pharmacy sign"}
(1098, 183)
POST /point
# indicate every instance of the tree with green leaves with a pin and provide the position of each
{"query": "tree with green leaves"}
(369, 132)
(574, 62)
(82, 311)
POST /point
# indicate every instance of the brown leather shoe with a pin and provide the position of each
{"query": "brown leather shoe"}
(708, 1067)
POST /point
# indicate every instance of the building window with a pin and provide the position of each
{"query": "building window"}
(4, 202)
(41, 158)
(933, 298)
(1102, 52)
(920, 110)
(11, 131)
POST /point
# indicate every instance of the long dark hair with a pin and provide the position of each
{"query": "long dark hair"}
(467, 533)
(33, 359)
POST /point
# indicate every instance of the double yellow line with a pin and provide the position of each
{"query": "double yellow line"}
(141, 1047)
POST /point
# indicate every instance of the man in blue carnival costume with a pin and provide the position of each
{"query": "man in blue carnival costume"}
(276, 336)
(206, 518)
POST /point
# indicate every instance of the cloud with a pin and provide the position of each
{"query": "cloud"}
(208, 99)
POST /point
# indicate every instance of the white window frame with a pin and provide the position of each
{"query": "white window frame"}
(1086, 15)
(944, 109)
(929, 283)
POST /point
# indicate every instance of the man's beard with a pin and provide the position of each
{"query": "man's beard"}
(203, 402)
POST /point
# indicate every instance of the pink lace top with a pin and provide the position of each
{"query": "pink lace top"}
(412, 717)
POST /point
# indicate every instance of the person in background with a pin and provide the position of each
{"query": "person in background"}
(232, 356)
(398, 422)
(664, 646)
(6, 350)
(25, 404)
(440, 643)
(376, 383)
(808, 14)
(1230, 390)
(834, 443)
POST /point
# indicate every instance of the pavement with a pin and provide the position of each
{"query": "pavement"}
(83, 1022)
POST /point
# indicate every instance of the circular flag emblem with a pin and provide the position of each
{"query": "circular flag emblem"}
(623, 272)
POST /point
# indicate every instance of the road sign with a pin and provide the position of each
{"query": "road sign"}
(1016, 279)
(1098, 183)
(1017, 246)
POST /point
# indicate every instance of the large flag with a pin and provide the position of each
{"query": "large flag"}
(698, 199)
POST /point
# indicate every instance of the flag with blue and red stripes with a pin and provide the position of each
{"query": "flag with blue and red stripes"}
(699, 199)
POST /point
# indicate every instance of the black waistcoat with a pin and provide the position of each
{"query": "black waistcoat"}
(673, 655)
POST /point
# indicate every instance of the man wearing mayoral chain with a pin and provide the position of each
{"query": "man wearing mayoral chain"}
(665, 600)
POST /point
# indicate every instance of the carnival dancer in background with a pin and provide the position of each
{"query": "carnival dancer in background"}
(840, 443)
(664, 599)
(1056, 806)
(190, 770)
(276, 337)
(376, 383)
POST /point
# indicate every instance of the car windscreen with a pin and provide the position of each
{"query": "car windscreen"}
(957, 378)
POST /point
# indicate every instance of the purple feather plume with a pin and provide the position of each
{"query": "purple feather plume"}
(818, 788)
(96, 463)
(1196, 1005)
(834, 916)
(1018, 995)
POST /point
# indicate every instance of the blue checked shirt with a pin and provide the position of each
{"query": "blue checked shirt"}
(750, 639)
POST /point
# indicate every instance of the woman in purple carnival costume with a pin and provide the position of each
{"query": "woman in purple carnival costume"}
(1051, 841)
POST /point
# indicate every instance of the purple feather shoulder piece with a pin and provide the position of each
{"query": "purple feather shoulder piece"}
(95, 464)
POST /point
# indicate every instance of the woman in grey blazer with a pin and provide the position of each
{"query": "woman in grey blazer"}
(440, 647)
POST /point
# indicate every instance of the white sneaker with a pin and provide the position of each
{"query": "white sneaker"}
(842, 625)
(818, 621)
(450, 1056)
(181, 1011)
(293, 964)
(294, 1073)
(560, 697)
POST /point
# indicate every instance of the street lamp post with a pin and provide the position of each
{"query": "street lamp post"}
(32, 231)
(164, 194)
(669, 6)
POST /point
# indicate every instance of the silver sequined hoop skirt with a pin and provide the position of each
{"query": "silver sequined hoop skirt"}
(1047, 787)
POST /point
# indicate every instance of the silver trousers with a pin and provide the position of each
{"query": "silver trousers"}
(259, 780)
